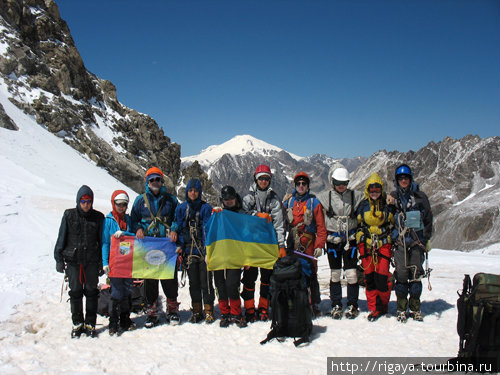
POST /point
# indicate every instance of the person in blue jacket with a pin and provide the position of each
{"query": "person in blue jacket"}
(191, 218)
(117, 224)
(152, 215)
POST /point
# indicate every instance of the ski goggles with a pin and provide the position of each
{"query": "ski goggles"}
(83, 201)
(264, 178)
(339, 183)
(124, 204)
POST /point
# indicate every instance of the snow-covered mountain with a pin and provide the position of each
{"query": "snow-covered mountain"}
(40, 177)
(461, 178)
(234, 163)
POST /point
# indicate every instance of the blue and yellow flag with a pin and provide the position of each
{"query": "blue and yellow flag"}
(236, 240)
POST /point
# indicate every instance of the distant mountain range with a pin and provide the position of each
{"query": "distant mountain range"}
(234, 163)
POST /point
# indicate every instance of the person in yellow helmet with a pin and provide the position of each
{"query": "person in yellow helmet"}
(375, 222)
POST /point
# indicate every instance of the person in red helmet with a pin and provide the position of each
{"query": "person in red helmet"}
(262, 201)
(307, 232)
(153, 215)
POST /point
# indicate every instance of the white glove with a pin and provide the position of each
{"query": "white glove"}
(118, 234)
(318, 252)
(352, 237)
(334, 239)
(106, 269)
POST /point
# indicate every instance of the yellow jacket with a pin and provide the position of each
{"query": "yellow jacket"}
(374, 218)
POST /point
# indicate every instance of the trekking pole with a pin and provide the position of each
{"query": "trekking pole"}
(304, 255)
(428, 271)
(65, 280)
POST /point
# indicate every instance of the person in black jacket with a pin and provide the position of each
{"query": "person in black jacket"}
(78, 253)
(412, 233)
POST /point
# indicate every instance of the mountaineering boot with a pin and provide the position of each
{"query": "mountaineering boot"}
(263, 316)
(152, 318)
(402, 317)
(417, 315)
(77, 331)
(250, 315)
(337, 312)
(173, 312)
(374, 315)
(90, 330)
(209, 313)
(225, 320)
(351, 312)
(126, 324)
(239, 321)
(402, 302)
(196, 313)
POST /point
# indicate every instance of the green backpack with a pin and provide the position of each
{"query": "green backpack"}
(478, 322)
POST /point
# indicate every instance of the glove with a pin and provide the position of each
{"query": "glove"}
(178, 250)
(216, 209)
(117, 234)
(282, 252)
(106, 269)
(60, 266)
(318, 252)
(334, 239)
(263, 215)
(352, 237)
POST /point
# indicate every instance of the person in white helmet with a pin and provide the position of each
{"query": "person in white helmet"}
(340, 205)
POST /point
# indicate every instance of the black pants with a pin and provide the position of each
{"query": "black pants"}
(170, 288)
(83, 282)
(201, 288)
(228, 284)
(250, 277)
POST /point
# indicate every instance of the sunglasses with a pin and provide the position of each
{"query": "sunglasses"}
(121, 204)
(340, 183)
(156, 179)
(298, 183)
(374, 190)
(83, 201)
(264, 179)
(402, 177)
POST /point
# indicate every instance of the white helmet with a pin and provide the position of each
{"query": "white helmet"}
(340, 174)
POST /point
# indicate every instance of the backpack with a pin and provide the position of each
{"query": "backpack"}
(478, 322)
(291, 312)
(138, 297)
(104, 300)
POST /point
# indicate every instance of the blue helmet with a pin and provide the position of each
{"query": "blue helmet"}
(403, 169)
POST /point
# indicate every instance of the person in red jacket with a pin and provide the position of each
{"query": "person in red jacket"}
(307, 232)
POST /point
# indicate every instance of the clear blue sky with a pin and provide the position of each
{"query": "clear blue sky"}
(343, 78)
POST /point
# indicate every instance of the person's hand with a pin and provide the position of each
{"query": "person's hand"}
(318, 252)
(140, 233)
(282, 252)
(106, 269)
(287, 197)
(217, 209)
(178, 250)
(173, 236)
(334, 239)
(60, 267)
(264, 215)
(390, 199)
(118, 234)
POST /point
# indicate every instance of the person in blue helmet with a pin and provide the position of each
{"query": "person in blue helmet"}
(191, 218)
(411, 236)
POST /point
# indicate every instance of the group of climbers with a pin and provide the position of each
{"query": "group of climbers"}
(373, 231)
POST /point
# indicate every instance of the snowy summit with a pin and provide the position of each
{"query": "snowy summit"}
(238, 145)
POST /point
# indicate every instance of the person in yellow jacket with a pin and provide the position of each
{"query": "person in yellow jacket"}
(375, 222)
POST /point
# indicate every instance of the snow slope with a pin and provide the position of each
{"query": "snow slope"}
(39, 179)
(238, 145)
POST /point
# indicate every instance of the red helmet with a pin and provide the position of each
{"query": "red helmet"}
(302, 176)
(262, 170)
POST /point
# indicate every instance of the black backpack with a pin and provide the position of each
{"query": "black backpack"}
(478, 322)
(291, 312)
(137, 298)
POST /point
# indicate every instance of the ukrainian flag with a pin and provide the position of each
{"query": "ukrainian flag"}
(236, 240)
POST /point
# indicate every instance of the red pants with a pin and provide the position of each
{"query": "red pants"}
(376, 266)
